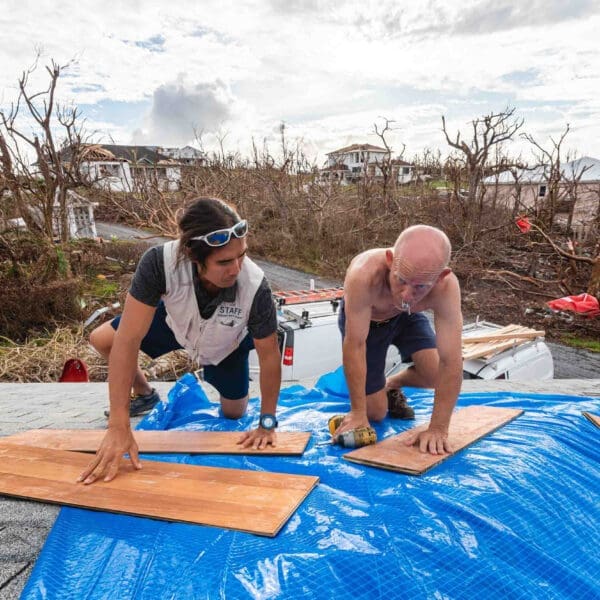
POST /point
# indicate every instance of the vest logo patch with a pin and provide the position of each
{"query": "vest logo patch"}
(230, 316)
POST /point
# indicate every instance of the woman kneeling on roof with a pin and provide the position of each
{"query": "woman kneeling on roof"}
(203, 294)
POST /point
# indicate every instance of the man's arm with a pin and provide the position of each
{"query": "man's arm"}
(122, 363)
(357, 308)
(269, 360)
(448, 327)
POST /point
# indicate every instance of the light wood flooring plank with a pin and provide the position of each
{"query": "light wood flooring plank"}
(162, 442)
(467, 426)
(253, 501)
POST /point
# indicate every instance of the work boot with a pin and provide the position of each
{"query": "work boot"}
(398, 406)
(141, 404)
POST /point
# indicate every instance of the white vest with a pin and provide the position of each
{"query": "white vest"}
(207, 341)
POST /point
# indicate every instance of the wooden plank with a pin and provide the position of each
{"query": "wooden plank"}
(593, 418)
(488, 350)
(467, 426)
(254, 501)
(525, 335)
(162, 442)
(502, 339)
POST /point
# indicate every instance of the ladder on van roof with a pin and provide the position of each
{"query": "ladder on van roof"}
(299, 296)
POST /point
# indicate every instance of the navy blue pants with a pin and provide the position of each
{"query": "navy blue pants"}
(409, 333)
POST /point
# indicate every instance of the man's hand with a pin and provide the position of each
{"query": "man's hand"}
(353, 420)
(430, 440)
(116, 442)
(258, 438)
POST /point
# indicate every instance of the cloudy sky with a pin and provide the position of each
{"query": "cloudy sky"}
(155, 72)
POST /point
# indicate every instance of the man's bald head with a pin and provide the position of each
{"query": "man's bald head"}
(424, 247)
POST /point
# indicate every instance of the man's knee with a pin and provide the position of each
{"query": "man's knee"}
(376, 414)
(377, 407)
(234, 409)
(102, 338)
(426, 364)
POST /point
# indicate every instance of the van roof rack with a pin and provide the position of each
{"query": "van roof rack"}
(299, 296)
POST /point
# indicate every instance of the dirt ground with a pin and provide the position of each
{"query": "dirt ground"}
(504, 294)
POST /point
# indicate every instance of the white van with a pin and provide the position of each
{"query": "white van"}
(311, 343)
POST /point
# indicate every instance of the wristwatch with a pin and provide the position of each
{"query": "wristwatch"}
(267, 421)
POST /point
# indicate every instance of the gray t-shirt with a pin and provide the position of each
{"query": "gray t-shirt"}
(149, 284)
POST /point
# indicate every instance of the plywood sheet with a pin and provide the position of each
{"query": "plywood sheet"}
(162, 442)
(595, 419)
(253, 501)
(467, 426)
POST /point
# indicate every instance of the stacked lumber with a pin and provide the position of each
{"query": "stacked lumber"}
(491, 343)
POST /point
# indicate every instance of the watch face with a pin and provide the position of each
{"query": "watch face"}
(268, 421)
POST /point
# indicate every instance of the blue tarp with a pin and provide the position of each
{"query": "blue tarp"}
(515, 515)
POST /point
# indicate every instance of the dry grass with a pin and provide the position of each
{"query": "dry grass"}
(40, 359)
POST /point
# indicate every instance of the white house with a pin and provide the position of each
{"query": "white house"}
(188, 155)
(352, 163)
(126, 168)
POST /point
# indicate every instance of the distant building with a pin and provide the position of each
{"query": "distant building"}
(578, 189)
(126, 168)
(188, 155)
(353, 163)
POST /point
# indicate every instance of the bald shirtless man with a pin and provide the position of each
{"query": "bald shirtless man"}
(385, 291)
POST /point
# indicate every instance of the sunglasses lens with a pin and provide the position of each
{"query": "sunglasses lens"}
(218, 238)
(240, 229)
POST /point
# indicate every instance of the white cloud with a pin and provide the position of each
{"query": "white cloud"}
(180, 110)
(326, 70)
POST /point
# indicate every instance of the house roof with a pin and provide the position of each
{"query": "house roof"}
(136, 154)
(96, 152)
(355, 147)
(570, 170)
(118, 153)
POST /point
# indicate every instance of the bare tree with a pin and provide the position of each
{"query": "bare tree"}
(40, 185)
(571, 179)
(386, 164)
(488, 133)
(593, 287)
(517, 173)
(549, 161)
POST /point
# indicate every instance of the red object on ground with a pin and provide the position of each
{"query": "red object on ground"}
(74, 371)
(523, 224)
(585, 304)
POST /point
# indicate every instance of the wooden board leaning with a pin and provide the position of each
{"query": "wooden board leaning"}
(467, 426)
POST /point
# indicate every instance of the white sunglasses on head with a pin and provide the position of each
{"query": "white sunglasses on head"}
(220, 237)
